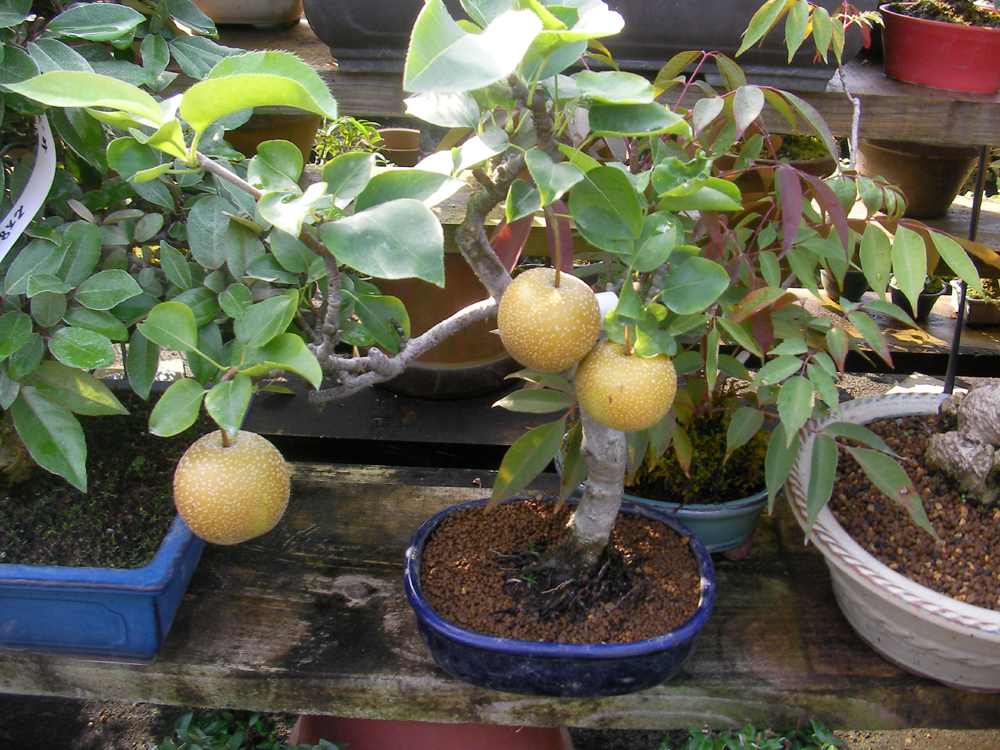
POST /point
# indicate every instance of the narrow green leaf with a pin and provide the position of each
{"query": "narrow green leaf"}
(871, 333)
(822, 475)
(141, 363)
(72, 88)
(746, 423)
(526, 459)
(886, 474)
(535, 401)
(857, 432)
(779, 461)
(909, 263)
(795, 403)
(574, 468)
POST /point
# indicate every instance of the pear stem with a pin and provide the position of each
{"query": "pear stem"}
(550, 220)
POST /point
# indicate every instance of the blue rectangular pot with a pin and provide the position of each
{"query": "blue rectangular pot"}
(99, 613)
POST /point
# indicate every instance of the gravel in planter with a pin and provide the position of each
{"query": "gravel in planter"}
(471, 575)
(965, 564)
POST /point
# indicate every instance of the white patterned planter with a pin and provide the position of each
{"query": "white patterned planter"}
(920, 630)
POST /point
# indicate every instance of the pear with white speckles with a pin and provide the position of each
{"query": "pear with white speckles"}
(623, 391)
(545, 327)
(229, 494)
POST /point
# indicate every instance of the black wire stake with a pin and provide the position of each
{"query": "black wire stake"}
(956, 338)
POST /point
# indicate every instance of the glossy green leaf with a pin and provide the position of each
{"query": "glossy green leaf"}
(379, 315)
(82, 348)
(13, 12)
(256, 79)
(47, 308)
(430, 188)
(70, 88)
(614, 87)
(693, 286)
(526, 459)
(175, 266)
(15, 330)
(635, 120)
(778, 370)
(202, 302)
(177, 409)
(278, 166)
(52, 435)
(395, 240)
(24, 361)
(287, 212)
(265, 320)
(44, 282)
(762, 21)
(37, 257)
(97, 320)
(958, 259)
(523, 200)
(96, 22)
(837, 344)
(442, 57)
(825, 387)
(227, 403)
(745, 423)
(552, 180)
(605, 204)
(872, 334)
(448, 110)
(171, 325)
(288, 352)
(106, 289)
(78, 391)
(290, 252)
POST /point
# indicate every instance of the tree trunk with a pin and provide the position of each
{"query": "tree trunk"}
(589, 529)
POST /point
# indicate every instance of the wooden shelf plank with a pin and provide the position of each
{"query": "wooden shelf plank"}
(311, 618)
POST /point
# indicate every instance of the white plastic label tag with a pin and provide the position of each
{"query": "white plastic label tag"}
(35, 192)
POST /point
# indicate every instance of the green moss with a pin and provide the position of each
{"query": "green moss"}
(712, 477)
(801, 148)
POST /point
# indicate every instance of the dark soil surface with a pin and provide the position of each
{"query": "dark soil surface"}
(472, 575)
(122, 518)
(964, 12)
(964, 564)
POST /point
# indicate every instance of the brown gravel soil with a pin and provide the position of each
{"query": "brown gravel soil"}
(964, 564)
(472, 574)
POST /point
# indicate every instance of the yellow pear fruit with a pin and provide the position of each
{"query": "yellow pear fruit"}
(229, 494)
(545, 327)
(622, 391)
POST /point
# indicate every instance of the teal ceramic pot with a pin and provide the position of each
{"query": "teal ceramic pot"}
(720, 527)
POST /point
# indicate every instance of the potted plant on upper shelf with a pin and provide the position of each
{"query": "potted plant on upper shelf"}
(946, 44)
(934, 288)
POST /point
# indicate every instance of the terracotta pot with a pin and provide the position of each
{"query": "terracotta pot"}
(383, 734)
(263, 14)
(557, 669)
(941, 55)
(363, 37)
(473, 362)
(401, 146)
(920, 630)
(276, 123)
(929, 175)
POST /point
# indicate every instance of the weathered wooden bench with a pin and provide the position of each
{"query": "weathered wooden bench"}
(311, 618)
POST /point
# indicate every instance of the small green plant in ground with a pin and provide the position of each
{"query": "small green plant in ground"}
(815, 737)
(226, 731)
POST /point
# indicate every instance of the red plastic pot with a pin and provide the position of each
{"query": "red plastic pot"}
(941, 55)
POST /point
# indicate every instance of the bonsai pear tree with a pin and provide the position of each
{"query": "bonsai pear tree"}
(271, 277)
(631, 194)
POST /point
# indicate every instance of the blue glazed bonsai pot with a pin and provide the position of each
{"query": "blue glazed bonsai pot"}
(98, 613)
(557, 669)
